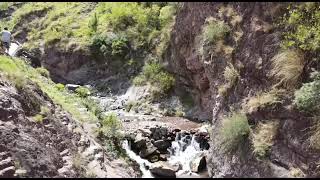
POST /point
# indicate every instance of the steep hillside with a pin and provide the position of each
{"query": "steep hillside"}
(228, 55)
(126, 79)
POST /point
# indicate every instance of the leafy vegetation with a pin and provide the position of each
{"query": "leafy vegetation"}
(263, 138)
(60, 86)
(301, 24)
(20, 72)
(214, 31)
(4, 6)
(307, 97)
(234, 131)
(82, 91)
(287, 67)
(43, 72)
(154, 74)
(109, 133)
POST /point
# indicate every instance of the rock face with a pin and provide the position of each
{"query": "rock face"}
(254, 41)
(57, 147)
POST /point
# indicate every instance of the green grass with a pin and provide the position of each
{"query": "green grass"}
(154, 74)
(43, 72)
(234, 132)
(70, 102)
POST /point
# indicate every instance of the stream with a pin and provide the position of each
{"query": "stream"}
(186, 152)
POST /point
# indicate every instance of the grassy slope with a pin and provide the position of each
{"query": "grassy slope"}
(18, 71)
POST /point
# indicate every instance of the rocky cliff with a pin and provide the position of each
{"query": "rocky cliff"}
(250, 45)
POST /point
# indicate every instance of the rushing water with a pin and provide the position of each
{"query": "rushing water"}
(142, 162)
(184, 150)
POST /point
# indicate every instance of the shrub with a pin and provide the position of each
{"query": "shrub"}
(263, 138)
(110, 126)
(43, 72)
(287, 67)
(234, 131)
(157, 76)
(92, 106)
(109, 46)
(262, 100)
(130, 105)
(301, 26)
(4, 6)
(179, 113)
(60, 86)
(82, 92)
(230, 75)
(214, 31)
(307, 97)
(140, 80)
(166, 14)
(38, 118)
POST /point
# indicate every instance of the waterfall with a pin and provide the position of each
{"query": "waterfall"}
(184, 150)
(142, 162)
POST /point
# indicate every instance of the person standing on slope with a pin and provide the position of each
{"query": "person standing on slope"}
(6, 38)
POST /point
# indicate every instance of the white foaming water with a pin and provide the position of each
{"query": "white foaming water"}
(14, 47)
(142, 162)
(184, 150)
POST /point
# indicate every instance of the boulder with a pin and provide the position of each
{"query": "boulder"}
(150, 149)
(198, 164)
(163, 170)
(139, 142)
(145, 132)
(154, 158)
(162, 145)
(158, 132)
(72, 87)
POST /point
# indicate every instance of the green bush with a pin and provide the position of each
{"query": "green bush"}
(92, 106)
(4, 6)
(109, 46)
(234, 131)
(307, 97)
(166, 14)
(214, 31)
(38, 118)
(179, 113)
(156, 76)
(60, 86)
(301, 26)
(110, 126)
(82, 92)
(44, 72)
